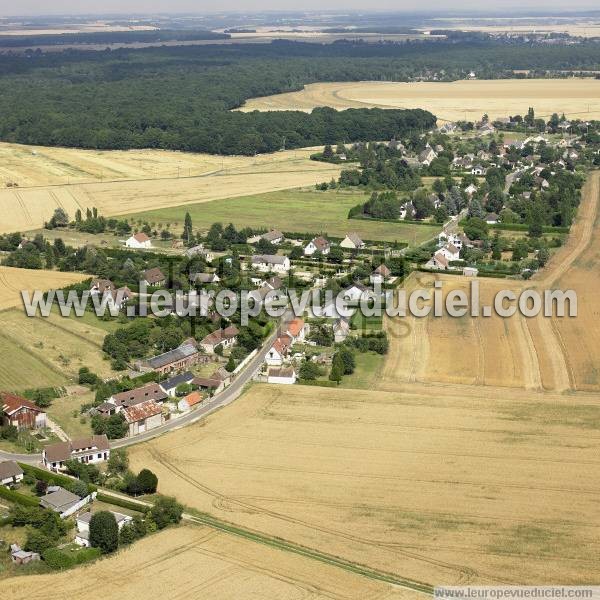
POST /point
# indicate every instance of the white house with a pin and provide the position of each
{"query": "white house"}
(341, 330)
(318, 244)
(278, 351)
(470, 189)
(274, 236)
(450, 251)
(427, 156)
(491, 218)
(478, 170)
(357, 291)
(380, 275)
(438, 261)
(169, 386)
(281, 375)
(271, 262)
(138, 240)
(458, 241)
(204, 278)
(89, 450)
(82, 537)
(296, 329)
(352, 242)
(10, 473)
(221, 337)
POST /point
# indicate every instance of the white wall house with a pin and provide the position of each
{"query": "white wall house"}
(138, 240)
(90, 450)
(352, 242)
(318, 244)
(10, 473)
(271, 262)
(281, 375)
(278, 351)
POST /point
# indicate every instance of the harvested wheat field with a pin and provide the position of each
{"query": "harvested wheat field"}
(119, 182)
(439, 487)
(194, 562)
(458, 100)
(12, 281)
(558, 354)
(60, 344)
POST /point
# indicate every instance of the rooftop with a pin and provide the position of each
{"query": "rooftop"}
(142, 411)
(184, 351)
(151, 391)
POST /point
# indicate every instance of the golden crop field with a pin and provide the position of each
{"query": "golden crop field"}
(458, 100)
(535, 353)
(442, 487)
(192, 562)
(583, 27)
(121, 182)
(13, 280)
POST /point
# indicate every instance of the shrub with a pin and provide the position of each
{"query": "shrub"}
(104, 532)
(17, 498)
(58, 559)
(130, 532)
(166, 511)
(37, 541)
(147, 481)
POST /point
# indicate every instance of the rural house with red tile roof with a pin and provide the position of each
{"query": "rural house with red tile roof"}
(20, 412)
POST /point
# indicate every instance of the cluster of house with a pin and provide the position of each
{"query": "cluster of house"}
(281, 264)
(277, 358)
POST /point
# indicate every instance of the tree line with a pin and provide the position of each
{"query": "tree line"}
(181, 97)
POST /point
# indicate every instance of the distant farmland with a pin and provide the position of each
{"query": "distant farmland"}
(121, 182)
(294, 210)
(451, 101)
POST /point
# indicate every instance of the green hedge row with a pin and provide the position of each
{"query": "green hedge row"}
(57, 559)
(522, 227)
(17, 498)
(51, 477)
(122, 502)
(362, 217)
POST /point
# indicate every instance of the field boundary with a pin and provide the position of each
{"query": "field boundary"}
(278, 543)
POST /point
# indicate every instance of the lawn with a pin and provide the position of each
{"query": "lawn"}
(367, 324)
(293, 211)
(368, 365)
(65, 412)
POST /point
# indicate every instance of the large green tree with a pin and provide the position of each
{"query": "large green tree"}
(104, 532)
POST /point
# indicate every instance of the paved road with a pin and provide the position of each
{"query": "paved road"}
(227, 396)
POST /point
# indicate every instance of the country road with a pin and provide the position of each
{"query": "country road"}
(228, 395)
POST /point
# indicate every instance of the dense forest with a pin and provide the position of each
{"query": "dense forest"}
(107, 37)
(181, 97)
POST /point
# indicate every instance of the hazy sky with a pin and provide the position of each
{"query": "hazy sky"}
(43, 7)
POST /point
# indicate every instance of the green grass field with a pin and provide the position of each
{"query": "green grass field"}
(62, 411)
(21, 369)
(367, 324)
(294, 211)
(368, 365)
